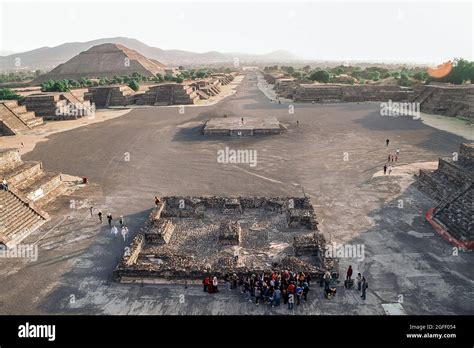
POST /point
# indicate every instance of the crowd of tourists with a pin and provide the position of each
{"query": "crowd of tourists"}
(272, 289)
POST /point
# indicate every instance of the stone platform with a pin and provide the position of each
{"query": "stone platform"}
(189, 237)
(233, 126)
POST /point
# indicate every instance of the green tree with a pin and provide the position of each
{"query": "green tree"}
(8, 94)
(133, 84)
(320, 76)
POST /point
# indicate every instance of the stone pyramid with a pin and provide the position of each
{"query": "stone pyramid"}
(106, 60)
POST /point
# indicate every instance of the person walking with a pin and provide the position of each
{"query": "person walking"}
(387, 141)
(121, 221)
(396, 157)
(398, 151)
(214, 284)
(365, 286)
(91, 209)
(115, 231)
(124, 233)
(100, 216)
(109, 219)
(359, 281)
(384, 169)
(291, 301)
(389, 157)
(390, 169)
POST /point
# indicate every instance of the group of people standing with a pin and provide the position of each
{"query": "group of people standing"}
(113, 229)
(271, 289)
(362, 283)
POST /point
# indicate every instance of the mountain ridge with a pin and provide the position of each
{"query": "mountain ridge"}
(47, 58)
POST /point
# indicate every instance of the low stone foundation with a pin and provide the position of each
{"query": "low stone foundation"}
(190, 237)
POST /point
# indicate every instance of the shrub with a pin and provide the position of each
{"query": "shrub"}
(133, 84)
(8, 94)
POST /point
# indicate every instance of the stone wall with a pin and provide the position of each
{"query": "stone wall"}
(168, 94)
(448, 100)
(451, 186)
(105, 96)
(350, 93)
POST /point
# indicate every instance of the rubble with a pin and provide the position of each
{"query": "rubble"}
(189, 237)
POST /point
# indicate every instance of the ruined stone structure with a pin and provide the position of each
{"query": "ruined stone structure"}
(309, 244)
(15, 119)
(30, 188)
(168, 94)
(233, 126)
(189, 237)
(350, 93)
(106, 60)
(444, 99)
(451, 186)
(230, 232)
(57, 106)
(105, 96)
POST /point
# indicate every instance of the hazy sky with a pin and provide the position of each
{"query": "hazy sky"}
(387, 31)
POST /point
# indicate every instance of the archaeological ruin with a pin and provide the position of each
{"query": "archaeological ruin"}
(190, 237)
(30, 189)
(58, 105)
(451, 186)
(105, 60)
(16, 119)
(436, 98)
(243, 126)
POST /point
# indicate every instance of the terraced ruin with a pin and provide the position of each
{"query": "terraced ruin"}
(30, 188)
(188, 237)
(451, 186)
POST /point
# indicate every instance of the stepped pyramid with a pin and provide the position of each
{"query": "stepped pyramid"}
(168, 94)
(452, 187)
(29, 189)
(15, 119)
(106, 60)
(57, 106)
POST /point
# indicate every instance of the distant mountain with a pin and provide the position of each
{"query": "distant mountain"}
(47, 58)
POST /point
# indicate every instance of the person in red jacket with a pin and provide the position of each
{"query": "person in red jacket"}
(349, 273)
(205, 283)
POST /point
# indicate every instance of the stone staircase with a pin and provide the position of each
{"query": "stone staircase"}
(168, 94)
(105, 96)
(17, 218)
(15, 119)
(458, 215)
(57, 106)
(452, 187)
(30, 188)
